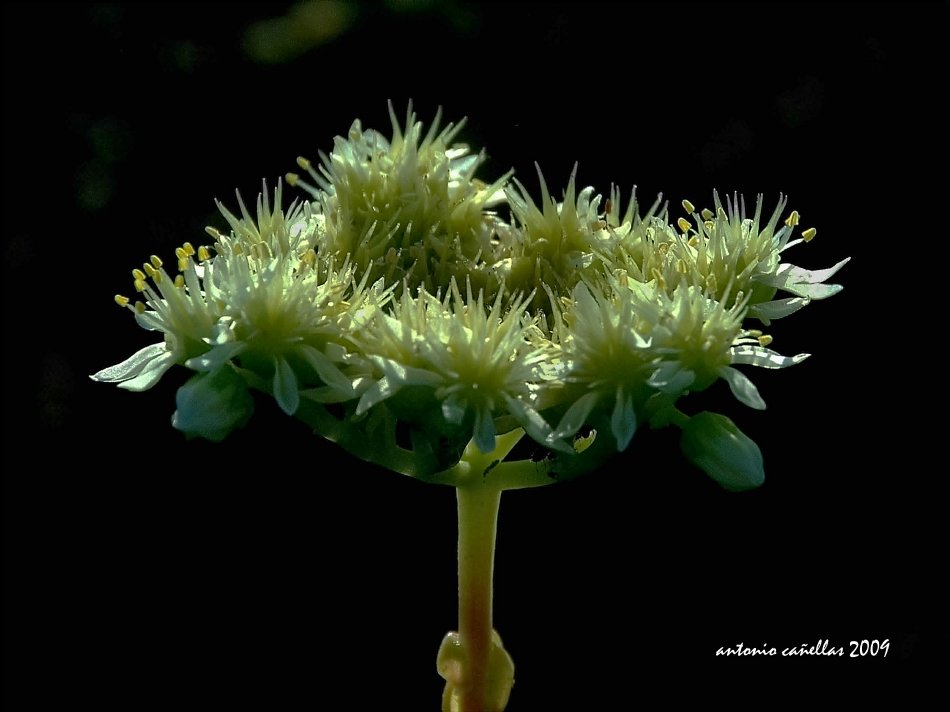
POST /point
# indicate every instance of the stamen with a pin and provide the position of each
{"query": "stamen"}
(683, 224)
(138, 275)
(688, 207)
(139, 307)
(156, 261)
(765, 340)
(793, 219)
(180, 281)
(139, 285)
(121, 301)
(204, 253)
(707, 214)
(149, 270)
(809, 234)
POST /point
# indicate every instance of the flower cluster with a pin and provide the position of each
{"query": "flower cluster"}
(400, 314)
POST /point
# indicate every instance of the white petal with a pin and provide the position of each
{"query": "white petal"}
(778, 308)
(215, 358)
(797, 274)
(763, 357)
(576, 415)
(378, 392)
(534, 424)
(453, 411)
(803, 282)
(149, 320)
(813, 291)
(742, 388)
(286, 391)
(623, 422)
(132, 366)
(671, 377)
(151, 374)
(395, 372)
(328, 373)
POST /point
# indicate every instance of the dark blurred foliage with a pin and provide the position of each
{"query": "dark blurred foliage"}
(273, 571)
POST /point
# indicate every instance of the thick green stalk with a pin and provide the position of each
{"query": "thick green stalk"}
(478, 672)
(478, 517)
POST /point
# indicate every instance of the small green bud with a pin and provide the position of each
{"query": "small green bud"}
(211, 405)
(714, 444)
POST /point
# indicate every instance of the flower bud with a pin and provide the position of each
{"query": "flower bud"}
(211, 405)
(714, 444)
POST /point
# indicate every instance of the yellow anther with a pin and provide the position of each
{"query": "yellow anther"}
(809, 234)
(237, 250)
(684, 224)
(180, 253)
(149, 270)
(689, 207)
(693, 241)
(754, 333)
(182, 265)
(139, 307)
(710, 226)
(681, 266)
(139, 285)
(663, 248)
(138, 275)
(180, 281)
(792, 220)
(214, 232)
(292, 179)
(189, 250)
(121, 301)
(765, 340)
(203, 253)
(155, 260)
(303, 163)
(707, 214)
(157, 277)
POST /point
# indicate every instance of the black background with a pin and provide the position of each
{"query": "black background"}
(272, 571)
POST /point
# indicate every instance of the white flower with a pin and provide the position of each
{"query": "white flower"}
(474, 363)
(179, 308)
(409, 208)
(554, 244)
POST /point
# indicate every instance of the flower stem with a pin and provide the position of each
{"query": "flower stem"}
(478, 516)
(478, 671)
